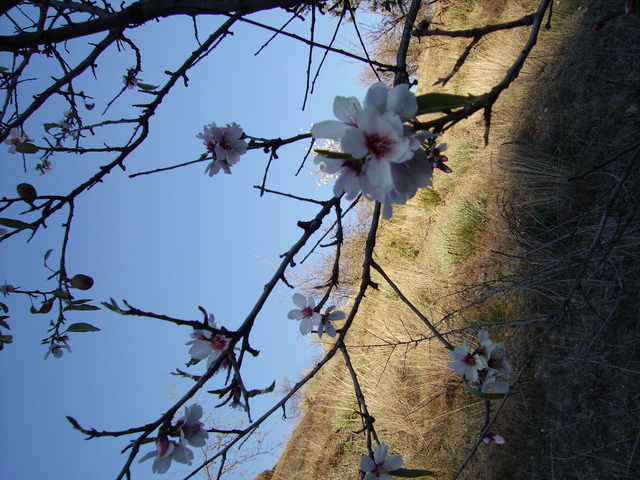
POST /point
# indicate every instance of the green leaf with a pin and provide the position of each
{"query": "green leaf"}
(26, 148)
(411, 473)
(11, 223)
(146, 86)
(49, 125)
(82, 327)
(3, 323)
(332, 154)
(47, 254)
(6, 338)
(442, 102)
(3, 69)
(73, 306)
(3, 307)
(62, 294)
(89, 106)
(113, 306)
(46, 307)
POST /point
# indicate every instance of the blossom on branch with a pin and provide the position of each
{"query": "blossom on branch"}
(16, 137)
(190, 427)
(378, 466)
(376, 144)
(486, 365)
(166, 451)
(207, 345)
(325, 323)
(304, 313)
(225, 144)
(7, 288)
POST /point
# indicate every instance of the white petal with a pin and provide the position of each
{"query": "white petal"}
(394, 462)
(329, 129)
(380, 453)
(300, 300)
(346, 109)
(402, 101)
(377, 97)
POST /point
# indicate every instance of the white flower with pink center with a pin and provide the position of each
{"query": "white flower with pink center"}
(225, 144)
(304, 313)
(206, 344)
(467, 363)
(378, 466)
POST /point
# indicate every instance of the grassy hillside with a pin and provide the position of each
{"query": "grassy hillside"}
(534, 238)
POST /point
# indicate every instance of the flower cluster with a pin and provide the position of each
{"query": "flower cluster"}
(207, 345)
(378, 466)
(189, 431)
(486, 365)
(381, 156)
(16, 137)
(225, 144)
(309, 318)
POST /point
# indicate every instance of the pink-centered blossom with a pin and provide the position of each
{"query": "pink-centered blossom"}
(379, 466)
(166, 451)
(225, 144)
(467, 363)
(16, 137)
(375, 144)
(207, 345)
(191, 428)
(304, 313)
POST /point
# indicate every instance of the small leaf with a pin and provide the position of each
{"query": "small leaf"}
(80, 307)
(89, 106)
(82, 327)
(332, 154)
(11, 223)
(442, 102)
(146, 86)
(411, 473)
(3, 307)
(47, 254)
(6, 338)
(49, 125)
(3, 69)
(46, 307)
(62, 294)
(26, 148)
(3, 323)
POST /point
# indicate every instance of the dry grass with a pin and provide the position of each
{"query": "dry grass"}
(552, 265)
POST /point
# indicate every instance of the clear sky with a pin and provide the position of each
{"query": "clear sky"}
(166, 242)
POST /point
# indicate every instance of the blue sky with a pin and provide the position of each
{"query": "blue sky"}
(166, 242)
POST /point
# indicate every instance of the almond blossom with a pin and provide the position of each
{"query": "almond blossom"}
(225, 144)
(375, 141)
(328, 317)
(467, 363)
(190, 427)
(305, 313)
(16, 137)
(207, 345)
(378, 466)
(166, 451)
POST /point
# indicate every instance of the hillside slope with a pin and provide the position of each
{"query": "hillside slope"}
(534, 238)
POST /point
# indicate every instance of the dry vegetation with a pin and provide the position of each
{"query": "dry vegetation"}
(534, 237)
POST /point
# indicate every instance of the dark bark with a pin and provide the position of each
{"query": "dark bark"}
(136, 14)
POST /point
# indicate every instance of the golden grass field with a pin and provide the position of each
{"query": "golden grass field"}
(534, 238)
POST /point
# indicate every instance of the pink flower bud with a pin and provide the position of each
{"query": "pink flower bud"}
(162, 444)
